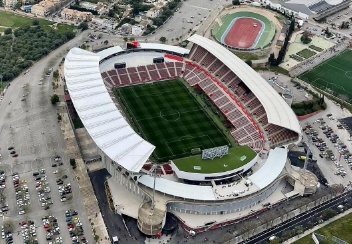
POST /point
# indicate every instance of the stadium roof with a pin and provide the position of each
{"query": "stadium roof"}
(109, 51)
(178, 189)
(152, 46)
(276, 108)
(272, 168)
(261, 179)
(103, 121)
(157, 46)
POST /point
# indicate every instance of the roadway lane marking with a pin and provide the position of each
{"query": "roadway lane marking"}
(197, 7)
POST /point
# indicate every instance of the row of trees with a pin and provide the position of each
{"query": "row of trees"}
(166, 12)
(307, 107)
(276, 61)
(20, 48)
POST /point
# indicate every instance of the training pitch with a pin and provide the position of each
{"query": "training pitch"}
(333, 76)
(167, 115)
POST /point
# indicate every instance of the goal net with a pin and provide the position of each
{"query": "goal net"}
(196, 150)
(214, 152)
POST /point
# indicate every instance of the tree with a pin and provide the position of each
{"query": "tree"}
(9, 225)
(59, 117)
(272, 59)
(345, 25)
(106, 42)
(56, 74)
(54, 99)
(328, 214)
(73, 163)
(305, 38)
(83, 26)
(8, 31)
(111, 13)
(249, 62)
(35, 22)
(236, 2)
(125, 39)
(162, 39)
(132, 39)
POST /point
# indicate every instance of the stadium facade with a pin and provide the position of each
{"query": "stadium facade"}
(261, 119)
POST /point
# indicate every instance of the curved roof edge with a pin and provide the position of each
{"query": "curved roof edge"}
(261, 179)
(152, 46)
(97, 111)
(277, 110)
(272, 168)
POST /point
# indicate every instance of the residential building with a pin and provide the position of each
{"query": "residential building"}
(10, 3)
(76, 15)
(152, 13)
(136, 30)
(44, 8)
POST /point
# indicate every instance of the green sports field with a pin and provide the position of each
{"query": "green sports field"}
(167, 115)
(237, 157)
(221, 27)
(333, 75)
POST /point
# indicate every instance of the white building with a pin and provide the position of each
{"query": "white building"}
(136, 30)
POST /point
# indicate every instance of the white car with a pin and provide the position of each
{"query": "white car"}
(21, 212)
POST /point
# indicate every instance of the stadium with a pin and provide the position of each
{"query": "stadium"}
(244, 30)
(198, 125)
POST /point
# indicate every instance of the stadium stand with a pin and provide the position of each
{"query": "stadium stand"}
(231, 96)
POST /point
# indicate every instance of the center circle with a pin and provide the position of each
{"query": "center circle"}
(349, 74)
(170, 114)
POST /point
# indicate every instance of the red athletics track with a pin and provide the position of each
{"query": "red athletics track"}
(242, 33)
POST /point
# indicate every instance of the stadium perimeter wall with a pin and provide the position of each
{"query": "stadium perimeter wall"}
(222, 207)
(216, 176)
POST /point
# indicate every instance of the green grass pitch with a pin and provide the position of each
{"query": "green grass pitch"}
(237, 157)
(306, 53)
(333, 76)
(167, 115)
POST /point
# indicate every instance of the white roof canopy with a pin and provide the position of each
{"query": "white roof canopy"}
(277, 110)
(150, 46)
(272, 168)
(178, 189)
(103, 121)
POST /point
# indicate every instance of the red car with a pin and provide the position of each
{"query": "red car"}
(22, 223)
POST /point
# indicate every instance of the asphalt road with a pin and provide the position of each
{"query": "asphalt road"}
(302, 219)
(114, 221)
(31, 127)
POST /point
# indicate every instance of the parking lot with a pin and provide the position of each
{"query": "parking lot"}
(336, 20)
(282, 84)
(36, 178)
(330, 144)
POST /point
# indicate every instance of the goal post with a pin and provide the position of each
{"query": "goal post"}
(196, 150)
(215, 152)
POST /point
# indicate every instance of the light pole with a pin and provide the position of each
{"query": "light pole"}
(1, 81)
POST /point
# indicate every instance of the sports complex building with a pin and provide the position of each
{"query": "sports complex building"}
(153, 109)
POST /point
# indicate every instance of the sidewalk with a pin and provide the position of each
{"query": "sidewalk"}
(295, 238)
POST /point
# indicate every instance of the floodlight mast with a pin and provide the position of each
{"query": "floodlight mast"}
(154, 175)
(307, 155)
